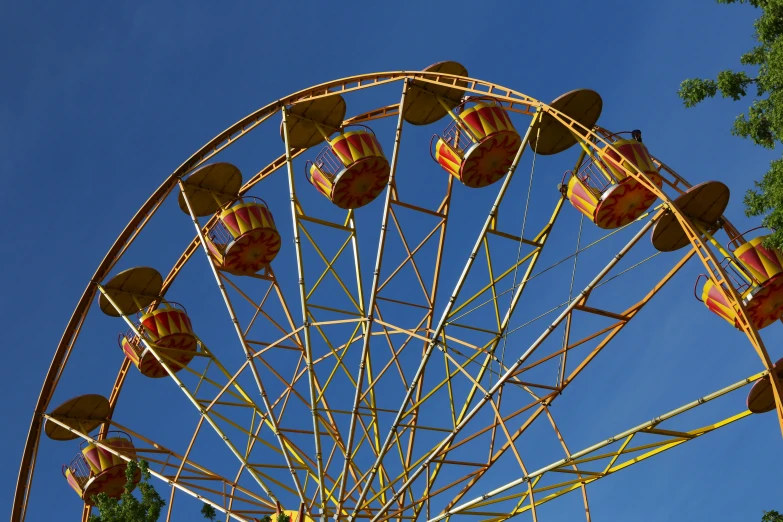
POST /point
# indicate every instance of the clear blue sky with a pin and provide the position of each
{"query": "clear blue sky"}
(101, 101)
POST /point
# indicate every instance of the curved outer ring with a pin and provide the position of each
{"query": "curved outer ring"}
(214, 146)
(209, 150)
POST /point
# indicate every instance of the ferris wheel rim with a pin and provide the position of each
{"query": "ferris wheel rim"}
(137, 223)
(198, 158)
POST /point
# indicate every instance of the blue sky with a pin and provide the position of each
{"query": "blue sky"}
(102, 101)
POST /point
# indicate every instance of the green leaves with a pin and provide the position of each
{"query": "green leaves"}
(763, 122)
(730, 84)
(733, 85)
(767, 200)
(772, 516)
(208, 512)
(695, 90)
(129, 508)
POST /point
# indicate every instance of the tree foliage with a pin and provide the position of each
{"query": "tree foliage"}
(129, 508)
(763, 122)
(772, 516)
(208, 512)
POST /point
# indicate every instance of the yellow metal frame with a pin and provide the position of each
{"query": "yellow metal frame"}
(708, 258)
(633, 454)
(377, 495)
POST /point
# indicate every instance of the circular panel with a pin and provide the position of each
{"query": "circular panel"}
(667, 235)
(623, 203)
(582, 105)
(704, 203)
(210, 187)
(760, 398)
(132, 290)
(83, 413)
(421, 101)
(488, 161)
(328, 111)
(361, 183)
(766, 305)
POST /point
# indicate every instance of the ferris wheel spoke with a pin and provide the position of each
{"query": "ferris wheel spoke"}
(483, 367)
(210, 409)
(281, 402)
(439, 328)
(604, 335)
(383, 301)
(529, 261)
(444, 444)
(422, 313)
(365, 365)
(318, 303)
(268, 416)
(579, 473)
(387, 331)
(181, 467)
(611, 455)
(695, 236)
(328, 422)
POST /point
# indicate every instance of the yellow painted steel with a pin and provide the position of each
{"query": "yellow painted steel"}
(329, 264)
(671, 440)
(339, 352)
(571, 485)
(207, 413)
(580, 140)
(740, 268)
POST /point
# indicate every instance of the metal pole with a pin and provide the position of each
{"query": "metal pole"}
(441, 324)
(371, 306)
(305, 321)
(611, 440)
(270, 417)
(510, 372)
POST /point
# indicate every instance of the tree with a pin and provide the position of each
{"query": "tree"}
(129, 508)
(208, 512)
(763, 123)
(772, 516)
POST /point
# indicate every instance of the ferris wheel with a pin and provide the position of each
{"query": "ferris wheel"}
(390, 336)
